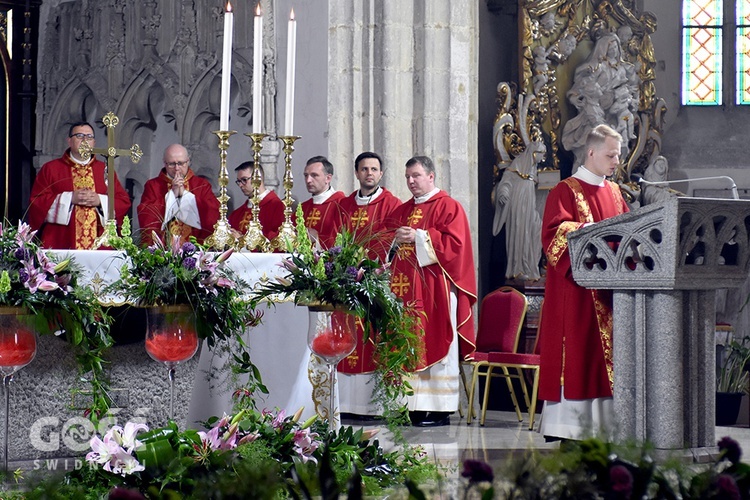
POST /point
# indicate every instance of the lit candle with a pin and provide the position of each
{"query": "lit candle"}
(257, 71)
(291, 65)
(226, 67)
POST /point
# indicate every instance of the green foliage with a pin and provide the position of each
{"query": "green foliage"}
(344, 275)
(733, 376)
(50, 291)
(174, 273)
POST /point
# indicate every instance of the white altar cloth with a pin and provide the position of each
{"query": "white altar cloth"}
(278, 346)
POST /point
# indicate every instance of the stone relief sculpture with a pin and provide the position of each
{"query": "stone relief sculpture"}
(514, 195)
(605, 90)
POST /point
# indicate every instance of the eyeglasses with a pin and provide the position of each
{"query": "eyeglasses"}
(243, 180)
(83, 136)
(174, 164)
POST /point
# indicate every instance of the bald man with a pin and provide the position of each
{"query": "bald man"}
(177, 201)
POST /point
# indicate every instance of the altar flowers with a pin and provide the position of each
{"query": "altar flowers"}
(49, 293)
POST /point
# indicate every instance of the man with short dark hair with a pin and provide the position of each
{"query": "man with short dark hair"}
(366, 213)
(271, 208)
(69, 204)
(177, 202)
(576, 332)
(322, 213)
(433, 271)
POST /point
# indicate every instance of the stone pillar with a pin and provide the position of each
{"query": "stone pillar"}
(403, 81)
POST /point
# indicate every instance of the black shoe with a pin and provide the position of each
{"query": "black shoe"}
(417, 417)
(356, 417)
(435, 419)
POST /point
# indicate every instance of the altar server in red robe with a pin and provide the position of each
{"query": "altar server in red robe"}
(177, 201)
(366, 213)
(322, 212)
(576, 331)
(271, 207)
(69, 204)
(433, 271)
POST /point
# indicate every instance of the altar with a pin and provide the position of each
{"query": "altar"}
(53, 426)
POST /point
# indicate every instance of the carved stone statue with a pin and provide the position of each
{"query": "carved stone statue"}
(515, 209)
(605, 90)
(657, 171)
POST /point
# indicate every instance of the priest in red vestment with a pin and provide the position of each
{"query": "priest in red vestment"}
(433, 272)
(576, 331)
(177, 201)
(271, 215)
(322, 212)
(69, 204)
(366, 213)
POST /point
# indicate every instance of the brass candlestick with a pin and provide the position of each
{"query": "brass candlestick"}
(222, 237)
(254, 240)
(287, 235)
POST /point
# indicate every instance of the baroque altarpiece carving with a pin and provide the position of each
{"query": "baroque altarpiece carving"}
(581, 63)
(157, 66)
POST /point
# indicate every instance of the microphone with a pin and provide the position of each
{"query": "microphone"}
(638, 179)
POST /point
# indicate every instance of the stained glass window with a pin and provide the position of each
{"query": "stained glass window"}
(742, 41)
(702, 24)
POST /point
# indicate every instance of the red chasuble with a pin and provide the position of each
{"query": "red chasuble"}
(325, 218)
(427, 289)
(271, 216)
(576, 330)
(65, 175)
(153, 207)
(370, 224)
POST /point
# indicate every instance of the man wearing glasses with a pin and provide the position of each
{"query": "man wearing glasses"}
(69, 204)
(271, 207)
(177, 202)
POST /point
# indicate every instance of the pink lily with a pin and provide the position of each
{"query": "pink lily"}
(224, 256)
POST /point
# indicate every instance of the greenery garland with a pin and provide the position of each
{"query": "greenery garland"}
(345, 275)
(50, 291)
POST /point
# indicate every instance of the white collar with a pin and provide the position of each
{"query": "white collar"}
(589, 177)
(426, 196)
(260, 197)
(366, 200)
(322, 197)
(80, 162)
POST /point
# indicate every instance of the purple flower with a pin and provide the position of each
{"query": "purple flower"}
(305, 444)
(334, 251)
(727, 487)
(351, 271)
(22, 254)
(120, 493)
(23, 275)
(730, 449)
(621, 480)
(188, 248)
(189, 262)
(477, 471)
(329, 268)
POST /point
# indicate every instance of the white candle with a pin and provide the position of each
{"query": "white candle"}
(226, 67)
(291, 65)
(257, 71)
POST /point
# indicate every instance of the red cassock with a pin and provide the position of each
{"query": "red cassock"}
(427, 289)
(271, 216)
(370, 223)
(576, 331)
(325, 218)
(153, 207)
(65, 175)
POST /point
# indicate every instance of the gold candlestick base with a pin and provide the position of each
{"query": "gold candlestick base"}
(222, 237)
(254, 240)
(287, 238)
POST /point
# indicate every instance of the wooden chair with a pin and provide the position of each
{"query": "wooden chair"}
(501, 318)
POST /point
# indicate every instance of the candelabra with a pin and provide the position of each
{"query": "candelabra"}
(287, 235)
(254, 240)
(222, 237)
